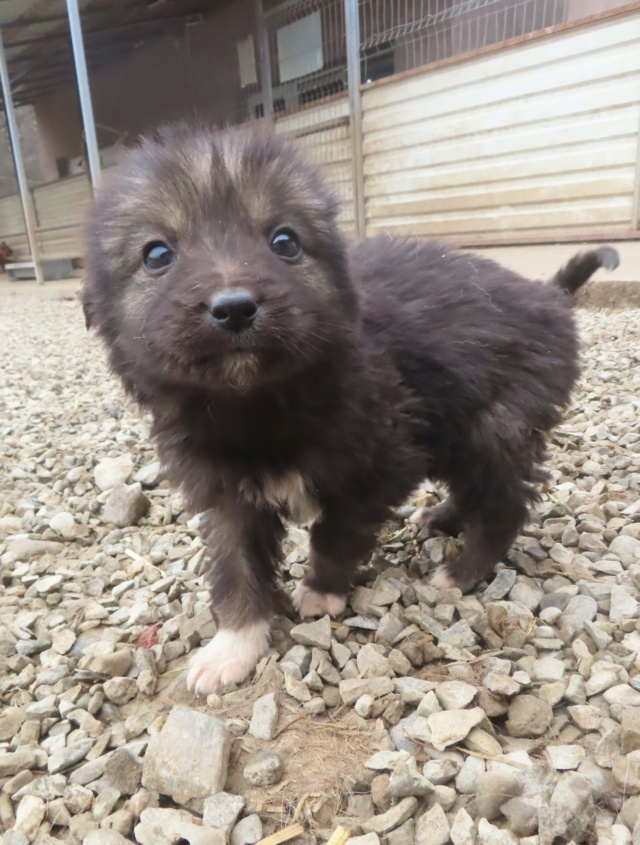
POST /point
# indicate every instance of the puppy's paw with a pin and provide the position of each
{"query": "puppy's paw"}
(228, 658)
(310, 602)
(439, 519)
(442, 579)
(420, 517)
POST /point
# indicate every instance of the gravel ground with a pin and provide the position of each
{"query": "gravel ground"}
(508, 716)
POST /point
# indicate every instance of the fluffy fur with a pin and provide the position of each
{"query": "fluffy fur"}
(364, 372)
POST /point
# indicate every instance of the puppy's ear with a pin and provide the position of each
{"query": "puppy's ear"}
(89, 314)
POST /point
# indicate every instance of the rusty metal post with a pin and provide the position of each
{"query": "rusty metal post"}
(264, 51)
(352, 30)
(28, 208)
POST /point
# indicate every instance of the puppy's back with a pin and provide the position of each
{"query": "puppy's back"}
(458, 324)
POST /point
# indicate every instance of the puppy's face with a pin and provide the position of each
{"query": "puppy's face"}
(213, 261)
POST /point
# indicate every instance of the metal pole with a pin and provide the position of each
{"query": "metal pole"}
(88, 122)
(635, 203)
(352, 30)
(25, 195)
(265, 63)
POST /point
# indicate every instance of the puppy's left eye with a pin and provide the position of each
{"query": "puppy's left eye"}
(285, 244)
(157, 256)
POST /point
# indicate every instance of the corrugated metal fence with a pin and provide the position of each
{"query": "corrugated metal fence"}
(59, 208)
(539, 142)
(533, 141)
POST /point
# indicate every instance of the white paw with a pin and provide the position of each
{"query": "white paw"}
(310, 602)
(228, 658)
(420, 517)
(441, 579)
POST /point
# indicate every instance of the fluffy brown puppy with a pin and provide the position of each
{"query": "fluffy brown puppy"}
(292, 378)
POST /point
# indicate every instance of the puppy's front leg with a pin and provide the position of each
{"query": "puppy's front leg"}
(339, 541)
(244, 551)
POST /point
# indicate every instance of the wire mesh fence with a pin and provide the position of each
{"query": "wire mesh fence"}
(399, 35)
(307, 53)
(305, 42)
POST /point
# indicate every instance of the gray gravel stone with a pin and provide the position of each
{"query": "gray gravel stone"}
(623, 605)
(410, 733)
(432, 828)
(547, 670)
(397, 815)
(69, 757)
(528, 716)
(455, 695)
(248, 831)
(263, 769)
(111, 472)
(364, 706)
(406, 780)
(188, 758)
(627, 549)
(372, 663)
(442, 771)
(73, 610)
(577, 612)
(316, 633)
(570, 812)
(367, 839)
(221, 811)
(149, 475)
(126, 505)
(463, 829)
(123, 771)
(264, 718)
(17, 761)
(500, 586)
(14, 837)
(105, 837)
(29, 816)
(120, 690)
(489, 834)
(451, 726)
(522, 814)
(493, 789)
(565, 757)
(351, 690)
(160, 826)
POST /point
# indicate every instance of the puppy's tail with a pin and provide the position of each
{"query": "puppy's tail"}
(582, 266)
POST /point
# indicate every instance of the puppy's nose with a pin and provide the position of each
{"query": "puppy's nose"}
(233, 310)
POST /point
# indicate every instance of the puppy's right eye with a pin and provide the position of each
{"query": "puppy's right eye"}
(157, 256)
(285, 244)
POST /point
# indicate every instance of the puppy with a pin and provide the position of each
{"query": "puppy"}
(290, 378)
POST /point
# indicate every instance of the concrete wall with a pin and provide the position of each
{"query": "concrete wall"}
(194, 74)
(532, 143)
(33, 152)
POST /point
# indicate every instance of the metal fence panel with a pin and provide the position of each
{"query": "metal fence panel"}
(11, 220)
(533, 142)
(62, 203)
(536, 141)
(323, 135)
(398, 35)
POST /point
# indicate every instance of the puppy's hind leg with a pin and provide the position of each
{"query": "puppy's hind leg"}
(338, 543)
(244, 550)
(444, 518)
(494, 515)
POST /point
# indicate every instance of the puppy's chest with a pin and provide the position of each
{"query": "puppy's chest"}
(289, 493)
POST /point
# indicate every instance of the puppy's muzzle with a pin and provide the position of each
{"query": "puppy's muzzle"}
(233, 310)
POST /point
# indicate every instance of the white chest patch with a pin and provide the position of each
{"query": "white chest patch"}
(286, 492)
